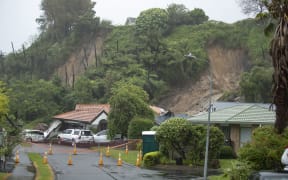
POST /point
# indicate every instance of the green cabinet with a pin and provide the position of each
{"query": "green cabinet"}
(149, 142)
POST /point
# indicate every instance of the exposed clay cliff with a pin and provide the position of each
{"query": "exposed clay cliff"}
(226, 66)
(87, 55)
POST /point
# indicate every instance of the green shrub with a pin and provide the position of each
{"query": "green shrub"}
(238, 171)
(265, 149)
(152, 158)
(226, 152)
(137, 125)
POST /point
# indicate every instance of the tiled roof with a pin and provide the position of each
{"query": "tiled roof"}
(92, 107)
(157, 110)
(238, 114)
(84, 112)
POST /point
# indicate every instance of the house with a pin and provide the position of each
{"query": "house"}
(130, 21)
(84, 116)
(237, 120)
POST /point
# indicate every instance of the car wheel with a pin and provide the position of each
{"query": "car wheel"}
(29, 139)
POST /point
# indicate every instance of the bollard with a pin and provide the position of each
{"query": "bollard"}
(108, 151)
(137, 160)
(100, 163)
(45, 161)
(17, 157)
(70, 160)
(126, 150)
(140, 156)
(119, 162)
(74, 149)
(50, 152)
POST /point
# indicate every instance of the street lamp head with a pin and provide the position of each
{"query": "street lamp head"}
(190, 55)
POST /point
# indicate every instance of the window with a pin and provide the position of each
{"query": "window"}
(76, 132)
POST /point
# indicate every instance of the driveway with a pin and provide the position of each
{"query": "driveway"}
(85, 166)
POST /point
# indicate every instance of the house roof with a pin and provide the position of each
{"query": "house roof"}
(157, 110)
(92, 107)
(84, 113)
(238, 114)
(221, 104)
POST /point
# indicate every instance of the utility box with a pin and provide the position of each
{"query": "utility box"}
(149, 142)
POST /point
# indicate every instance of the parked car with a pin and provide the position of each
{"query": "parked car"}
(32, 135)
(101, 137)
(76, 136)
(269, 175)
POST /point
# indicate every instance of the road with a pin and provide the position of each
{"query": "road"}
(85, 166)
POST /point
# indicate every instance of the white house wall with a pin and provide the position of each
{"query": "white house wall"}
(101, 117)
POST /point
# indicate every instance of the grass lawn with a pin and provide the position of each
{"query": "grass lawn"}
(225, 164)
(43, 171)
(129, 158)
(4, 175)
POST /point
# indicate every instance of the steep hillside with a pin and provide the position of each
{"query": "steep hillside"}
(78, 62)
(226, 68)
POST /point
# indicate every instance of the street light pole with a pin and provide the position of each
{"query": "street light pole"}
(208, 127)
(190, 55)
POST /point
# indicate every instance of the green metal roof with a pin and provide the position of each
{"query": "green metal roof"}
(238, 114)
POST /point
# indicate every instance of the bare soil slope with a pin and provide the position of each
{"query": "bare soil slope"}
(80, 60)
(226, 68)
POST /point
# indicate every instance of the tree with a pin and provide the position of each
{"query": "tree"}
(150, 27)
(255, 85)
(60, 16)
(196, 16)
(137, 125)
(252, 6)
(177, 14)
(127, 101)
(10, 128)
(277, 9)
(4, 101)
(176, 134)
(187, 140)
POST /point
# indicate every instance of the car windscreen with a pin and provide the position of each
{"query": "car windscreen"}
(35, 133)
(76, 132)
(86, 133)
(67, 131)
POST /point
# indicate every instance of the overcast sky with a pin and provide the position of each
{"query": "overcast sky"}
(18, 24)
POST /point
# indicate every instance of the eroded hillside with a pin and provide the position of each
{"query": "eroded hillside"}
(87, 55)
(226, 68)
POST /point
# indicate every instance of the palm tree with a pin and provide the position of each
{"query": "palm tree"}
(278, 9)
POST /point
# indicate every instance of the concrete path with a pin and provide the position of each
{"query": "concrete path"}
(24, 169)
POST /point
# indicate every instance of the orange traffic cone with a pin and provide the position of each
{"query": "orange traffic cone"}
(119, 163)
(108, 151)
(50, 152)
(140, 156)
(45, 161)
(126, 150)
(17, 157)
(75, 149)
(100, 163)
(70, 160)
(137, 160)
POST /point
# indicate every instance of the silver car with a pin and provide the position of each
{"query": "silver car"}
(32, 135)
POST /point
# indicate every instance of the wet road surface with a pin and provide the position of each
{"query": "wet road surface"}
(85, 166)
